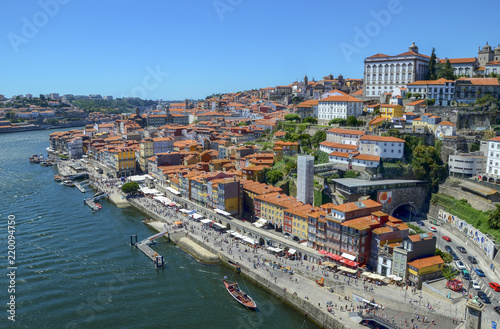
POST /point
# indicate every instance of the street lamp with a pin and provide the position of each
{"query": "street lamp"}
(411, 205)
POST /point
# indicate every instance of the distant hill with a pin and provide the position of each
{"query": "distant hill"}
(114, 106)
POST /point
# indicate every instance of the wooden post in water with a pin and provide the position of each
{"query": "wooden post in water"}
(132, 238)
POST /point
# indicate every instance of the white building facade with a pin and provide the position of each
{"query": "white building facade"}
(493, 162)
(467, 164)
(344, 136)
(441, 90)
(382, 146)
(384, 73)
(334, 107)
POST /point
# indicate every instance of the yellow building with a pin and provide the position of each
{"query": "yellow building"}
(377, 122)
(272, 207)
(391, 111)
(124, 160)
(254, 173)
(145, 152)
(424, 269)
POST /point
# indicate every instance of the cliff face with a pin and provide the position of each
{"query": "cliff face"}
(470, 118)
(477, 120)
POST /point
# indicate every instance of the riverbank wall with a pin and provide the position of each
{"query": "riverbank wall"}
(208, 254)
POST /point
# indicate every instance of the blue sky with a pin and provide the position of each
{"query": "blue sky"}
(190, 49)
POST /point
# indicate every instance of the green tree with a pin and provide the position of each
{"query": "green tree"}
(448, 273)
(130, 188)
(292, 117)
(310, 120)
(352, 121)
(475, 147)
(273, 176)
(339, 121)
(494, 217)
(432, 65)
(427, 165)
(351, 174)
(320, 157)
(487, 99)
(446, 257)
(446, 71)
(318, 137)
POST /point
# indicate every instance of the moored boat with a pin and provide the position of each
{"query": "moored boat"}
(34, 158)
(239, 295)
(69, 183)
(57, 178)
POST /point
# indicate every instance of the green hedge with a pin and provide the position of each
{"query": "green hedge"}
(464, 211)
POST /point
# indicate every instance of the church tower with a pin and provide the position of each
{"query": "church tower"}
(485, 55)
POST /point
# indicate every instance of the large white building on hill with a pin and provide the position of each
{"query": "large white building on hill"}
(384, 73)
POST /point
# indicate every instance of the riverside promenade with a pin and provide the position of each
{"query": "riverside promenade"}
(327, 309)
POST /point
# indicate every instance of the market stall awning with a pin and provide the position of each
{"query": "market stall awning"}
(323, 252)
(205, 221)
(249, 240)
(173, 191)
(292, 251)
(333, 256)
(348, 256)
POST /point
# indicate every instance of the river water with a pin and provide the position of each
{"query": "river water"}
(76, 269)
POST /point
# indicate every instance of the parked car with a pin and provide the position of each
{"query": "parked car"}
(446, 238)
(448, 248)
(460, 265)
(479, 272)
(483, 297)
(466, 275)
(476, 285)
(432, 229)
(420, 223)
(472, 259)
(454, 255)
(495, 286)
(497, 309)
(461, 249)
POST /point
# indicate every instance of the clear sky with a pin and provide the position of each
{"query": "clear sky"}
(189, 49)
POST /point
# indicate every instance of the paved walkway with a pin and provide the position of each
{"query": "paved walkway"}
(262, 262)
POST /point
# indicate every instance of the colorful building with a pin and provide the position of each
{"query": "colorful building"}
(424, 269)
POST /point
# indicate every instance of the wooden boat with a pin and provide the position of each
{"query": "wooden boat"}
(57, 178)
(239, 295)
(69, 183)
(98, 205)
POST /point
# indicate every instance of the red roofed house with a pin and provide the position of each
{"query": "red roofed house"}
(462, 66)
(468, 90)
(445, 129)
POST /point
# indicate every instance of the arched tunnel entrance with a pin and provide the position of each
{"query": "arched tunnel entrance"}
(407, 212)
